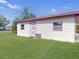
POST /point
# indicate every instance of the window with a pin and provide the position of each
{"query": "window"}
(22, 26)
(57, 26)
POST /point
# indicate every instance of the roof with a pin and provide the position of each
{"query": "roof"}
(50, 17)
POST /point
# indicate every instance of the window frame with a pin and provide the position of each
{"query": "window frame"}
(58, 27)
(22, 26)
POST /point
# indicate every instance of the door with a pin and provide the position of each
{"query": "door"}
(33, 28)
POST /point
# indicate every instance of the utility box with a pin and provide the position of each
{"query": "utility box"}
(38, 36)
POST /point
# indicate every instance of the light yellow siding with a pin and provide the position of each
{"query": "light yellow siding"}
(24, 32)
(45, 28)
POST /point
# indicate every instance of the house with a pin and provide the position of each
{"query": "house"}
(60, 27)
(8, 28)
(2, 28)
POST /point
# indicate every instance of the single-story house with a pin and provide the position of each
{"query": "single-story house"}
(61, 27)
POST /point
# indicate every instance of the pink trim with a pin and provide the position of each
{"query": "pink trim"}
(77, 18)
(32, 28)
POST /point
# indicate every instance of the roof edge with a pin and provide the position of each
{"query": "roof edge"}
(54, 16)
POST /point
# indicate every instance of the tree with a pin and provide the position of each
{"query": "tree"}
(32, 15)
(3, 22)
(14, 25)
(26, 14)
(77, 28)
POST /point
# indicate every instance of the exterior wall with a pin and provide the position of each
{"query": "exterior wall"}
(45, 28)
(24, 32)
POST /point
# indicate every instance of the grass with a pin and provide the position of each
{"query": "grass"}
(13, 47)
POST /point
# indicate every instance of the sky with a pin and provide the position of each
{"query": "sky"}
(11, 9)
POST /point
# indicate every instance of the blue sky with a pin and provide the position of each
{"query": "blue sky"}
(12, 8)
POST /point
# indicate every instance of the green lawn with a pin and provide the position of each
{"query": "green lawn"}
(13, 47)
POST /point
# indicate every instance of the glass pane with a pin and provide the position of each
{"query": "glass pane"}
(57, 26)
(22, 26)
(57, 23)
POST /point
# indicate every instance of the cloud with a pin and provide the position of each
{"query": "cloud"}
(54, 11)
(3, 1)
(10, 5)
(1, 7)
(64, 7)
(13, 6)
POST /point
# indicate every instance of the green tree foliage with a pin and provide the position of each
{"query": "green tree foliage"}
(77, 28)
(32, 15)
(26, 14)
(3, 21)
(14, 26)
